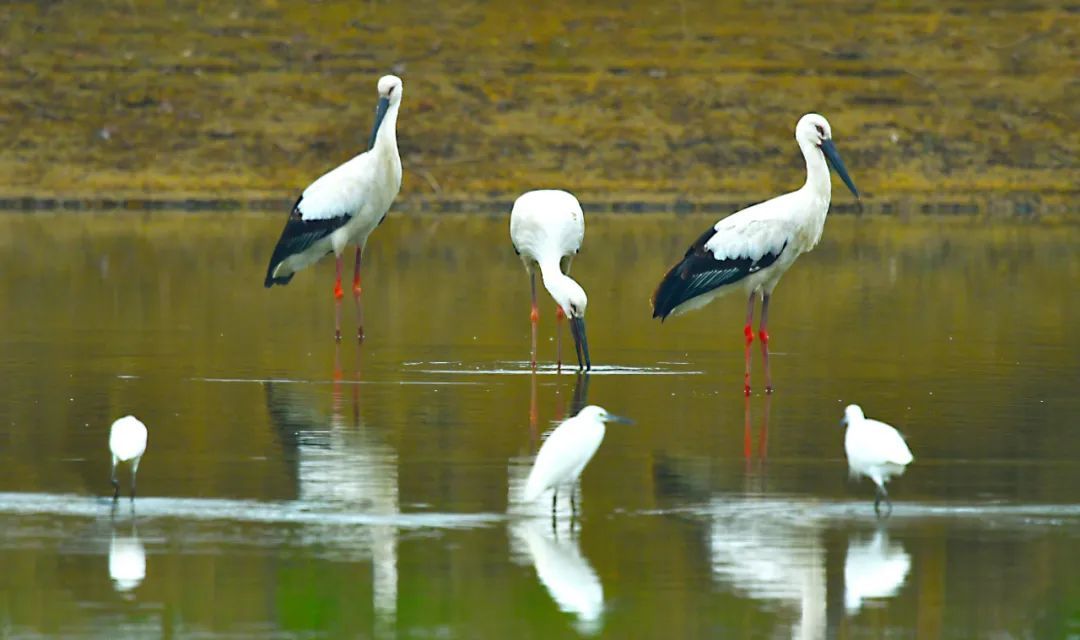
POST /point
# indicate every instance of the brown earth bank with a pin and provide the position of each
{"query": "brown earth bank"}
(689, 106)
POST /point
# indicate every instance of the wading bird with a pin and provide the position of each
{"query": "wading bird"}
(127, 442)
(752, 248)
(547, 228)
(565, 453)
(344, 206)
(875, 450)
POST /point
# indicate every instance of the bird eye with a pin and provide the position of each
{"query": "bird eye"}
(820, 130)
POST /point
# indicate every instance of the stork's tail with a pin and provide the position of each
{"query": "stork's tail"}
(671, 292)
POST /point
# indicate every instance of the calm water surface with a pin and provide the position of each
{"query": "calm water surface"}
(295, 489)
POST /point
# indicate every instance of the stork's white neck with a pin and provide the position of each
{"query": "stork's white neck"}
(555, 281)
(818, 180)
(386, 138)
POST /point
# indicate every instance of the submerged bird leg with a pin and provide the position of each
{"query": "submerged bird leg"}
(356, 294)
(338, 295)
(115, 482)
(560, 315)
(748, 331)
(534, 317)
(882, 494)
(763, 335)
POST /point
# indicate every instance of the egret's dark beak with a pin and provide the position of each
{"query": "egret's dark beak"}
(581, 343)
(380, 113)
(829, 149)
(619, 419)
(843, 421)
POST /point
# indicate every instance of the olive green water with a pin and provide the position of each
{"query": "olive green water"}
(296, 489)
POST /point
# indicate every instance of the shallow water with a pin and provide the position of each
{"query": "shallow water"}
(292, 488)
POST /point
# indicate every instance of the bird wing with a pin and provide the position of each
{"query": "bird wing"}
(326, 205)
(570, 446)
(732, 249)
(878, 443)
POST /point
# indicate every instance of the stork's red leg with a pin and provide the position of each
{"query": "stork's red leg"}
(534, 317)
(763, 335)
(356, 294)
(748, 331)
(338, 295)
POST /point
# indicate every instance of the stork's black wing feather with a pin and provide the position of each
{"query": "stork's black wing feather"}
(700, 272)
(298, 235)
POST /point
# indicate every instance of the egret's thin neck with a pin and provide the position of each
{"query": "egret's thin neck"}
(817, 171)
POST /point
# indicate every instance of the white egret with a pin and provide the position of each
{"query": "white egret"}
(565, 453)
(547, 228)
(127, 442)
(344, 206)
(875, 450)
(749, 250)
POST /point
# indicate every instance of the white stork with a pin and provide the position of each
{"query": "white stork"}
(344, 206)
(547, 228)
(752, 248)
(875, 450)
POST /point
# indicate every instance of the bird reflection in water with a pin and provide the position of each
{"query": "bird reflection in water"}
(560, 566)
(755, 465)
(127, 557)
(336, 461)
(873, 569)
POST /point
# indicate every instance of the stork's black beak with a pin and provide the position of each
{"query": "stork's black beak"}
(619, 419)
(829, 149)
(581, 343)
(380, 113)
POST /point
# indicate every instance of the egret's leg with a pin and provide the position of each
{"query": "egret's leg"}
(356, 294)
(338, 295)
(115, 482)
(763, 335)
(748, 331)
(882, 494)
(134, 470)
(534, 317)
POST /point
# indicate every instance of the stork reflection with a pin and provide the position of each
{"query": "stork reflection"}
(336, 461)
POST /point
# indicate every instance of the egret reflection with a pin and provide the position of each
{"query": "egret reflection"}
(127, 560)
(874, 569)
(563, 570)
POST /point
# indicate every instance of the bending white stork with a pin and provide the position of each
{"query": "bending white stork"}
(127, 443)
(547, 228)
(875, 450)
(344, 206)
(565, 453)
(752, 248)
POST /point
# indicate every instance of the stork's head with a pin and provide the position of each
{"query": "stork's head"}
(390, 88)
(593, 412)
(812, 131)
(570, 296)
(852, 413)
(389, 94)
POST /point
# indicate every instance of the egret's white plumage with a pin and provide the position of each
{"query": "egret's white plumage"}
(749, 250)
(874, 449)
(344, 205)
(547, 228)
(566, 451)
(127, 443)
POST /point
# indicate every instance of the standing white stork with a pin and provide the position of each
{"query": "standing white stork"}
(752, 248)
(547, 228)
(875, 450)
(344, 206)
